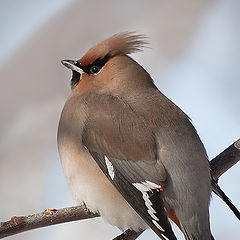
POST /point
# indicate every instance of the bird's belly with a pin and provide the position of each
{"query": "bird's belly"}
(89, 185)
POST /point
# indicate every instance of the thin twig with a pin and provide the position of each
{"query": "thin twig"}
(24, 223)
(129, 235)
(225, 160)
(219, 165)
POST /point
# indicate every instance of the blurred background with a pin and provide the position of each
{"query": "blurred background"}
(194, 60)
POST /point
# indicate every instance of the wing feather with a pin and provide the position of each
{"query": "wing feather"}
(124, 147)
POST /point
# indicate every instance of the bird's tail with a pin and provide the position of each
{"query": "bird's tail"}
(218, 191)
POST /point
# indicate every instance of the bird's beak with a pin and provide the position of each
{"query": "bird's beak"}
(72, 65)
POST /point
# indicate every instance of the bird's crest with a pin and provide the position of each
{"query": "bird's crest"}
(119, 44)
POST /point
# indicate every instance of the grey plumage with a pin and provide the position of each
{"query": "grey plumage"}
(155, 159)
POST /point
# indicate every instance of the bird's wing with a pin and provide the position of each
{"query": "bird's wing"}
(124, 147)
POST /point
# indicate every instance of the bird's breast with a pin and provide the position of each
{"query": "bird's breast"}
(88, 184)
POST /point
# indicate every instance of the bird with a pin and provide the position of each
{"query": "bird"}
(127, 151)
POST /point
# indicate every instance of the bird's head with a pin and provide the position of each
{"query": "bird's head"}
(107, 61)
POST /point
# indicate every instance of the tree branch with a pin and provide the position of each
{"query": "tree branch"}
(129, 235)
(219, 165)
(225, 160)
(47, 218)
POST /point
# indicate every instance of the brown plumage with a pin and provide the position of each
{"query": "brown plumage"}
(123, 143)
(119, 44)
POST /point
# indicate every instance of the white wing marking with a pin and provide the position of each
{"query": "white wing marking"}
(141, 187)
(157, 225)
(110, 168)
(152, 215)
(144, 187)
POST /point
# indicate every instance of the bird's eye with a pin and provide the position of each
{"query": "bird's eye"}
(94, 69)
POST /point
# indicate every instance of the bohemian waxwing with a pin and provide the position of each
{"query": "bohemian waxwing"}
(127, 151)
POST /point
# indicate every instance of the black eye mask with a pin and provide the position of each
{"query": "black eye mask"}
(92, 68)
(96, 66)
